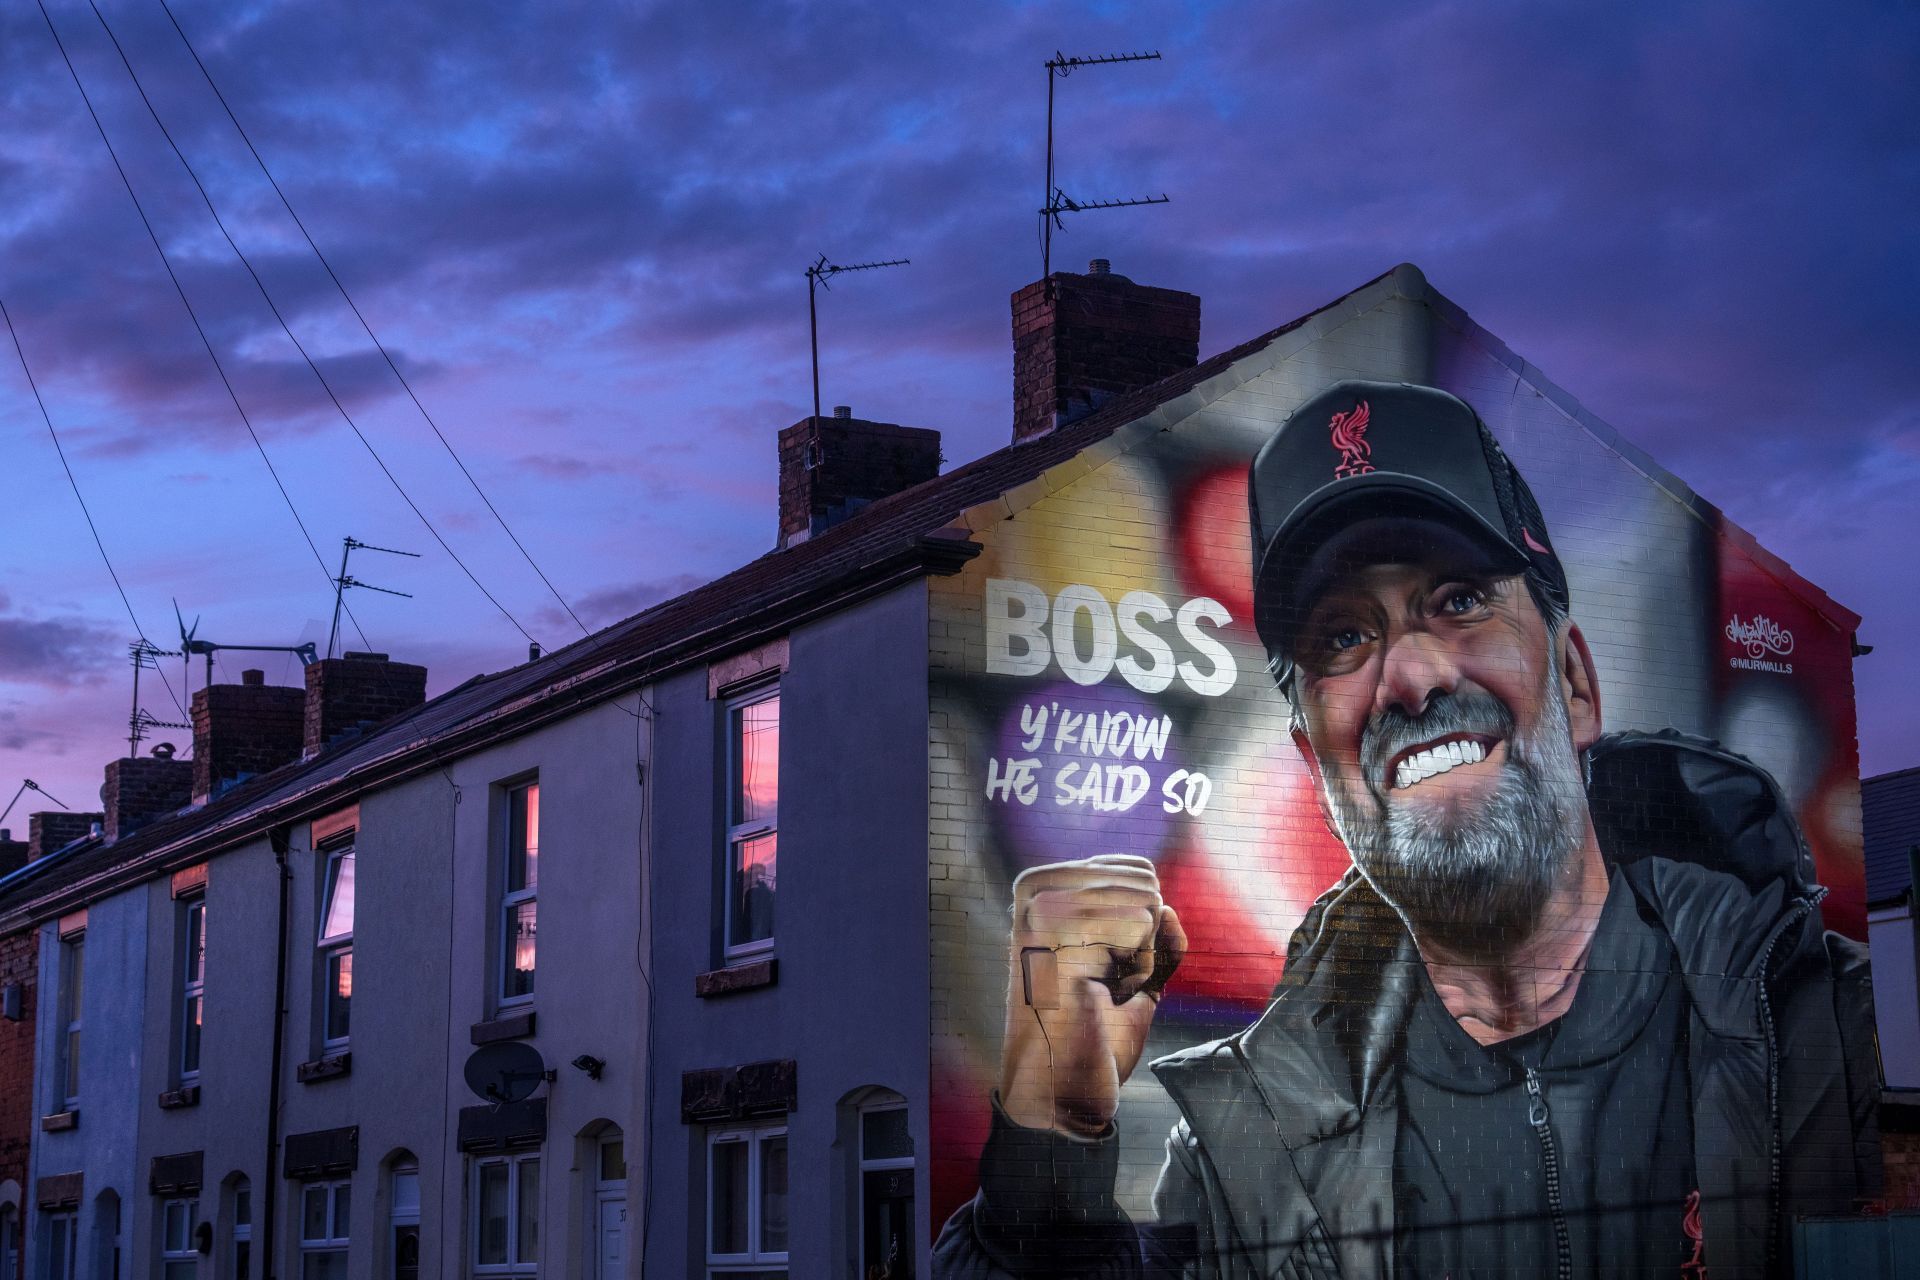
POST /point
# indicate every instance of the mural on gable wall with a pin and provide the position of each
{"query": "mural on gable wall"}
(1565, 993)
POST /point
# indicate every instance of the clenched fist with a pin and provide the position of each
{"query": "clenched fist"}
(1092, 947)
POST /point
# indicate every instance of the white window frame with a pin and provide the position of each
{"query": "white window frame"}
(738, 833)
(399, 1215)
(754, 1259)
(242, 1231)
(875, 1164)
(9, 1241)
(190, 1008)
(515, 1164)
(511, 898)
(335, 1241)
(65, 1224)
(73, 969)
(329, 945)
(182, 1250)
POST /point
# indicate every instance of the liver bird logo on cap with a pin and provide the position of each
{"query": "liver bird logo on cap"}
(1350, 438)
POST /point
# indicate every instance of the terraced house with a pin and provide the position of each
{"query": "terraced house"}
(693, 949)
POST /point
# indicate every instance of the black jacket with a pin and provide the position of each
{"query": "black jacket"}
(1282, 1164)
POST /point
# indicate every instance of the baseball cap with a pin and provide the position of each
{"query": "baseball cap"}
(1359, 450)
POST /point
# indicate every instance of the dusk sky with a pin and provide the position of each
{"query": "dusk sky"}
(581, 228)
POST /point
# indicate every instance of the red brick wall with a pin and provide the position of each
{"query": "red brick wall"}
(854, 462)
(1901, 1151)
(19, 956)
(142, 789)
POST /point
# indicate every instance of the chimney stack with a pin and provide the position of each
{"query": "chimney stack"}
(56, 829)
(350, 694)
(13, 853)
(240, 730)
(142, 788)
(832, 467)
(1082, 340)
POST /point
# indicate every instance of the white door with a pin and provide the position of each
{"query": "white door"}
(610, 1240)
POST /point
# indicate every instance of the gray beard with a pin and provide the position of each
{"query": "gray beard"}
(1476, 884)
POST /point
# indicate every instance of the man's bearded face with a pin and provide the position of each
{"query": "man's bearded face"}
(1472, 877)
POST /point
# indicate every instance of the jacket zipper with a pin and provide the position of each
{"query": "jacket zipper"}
(1800, 911)
(1537, 1117)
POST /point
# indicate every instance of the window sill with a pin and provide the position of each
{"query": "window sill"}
(60, 1121)
(187, 1095)
(735, 978)
(512, 1024)
(330, 1067)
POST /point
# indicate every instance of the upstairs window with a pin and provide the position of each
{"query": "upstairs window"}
(73, 955)
(753, 822)
(335, 944)
(191, 1003)
(519, 893)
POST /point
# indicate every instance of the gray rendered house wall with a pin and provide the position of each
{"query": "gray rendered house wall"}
(102, 1145)
(851, 1003)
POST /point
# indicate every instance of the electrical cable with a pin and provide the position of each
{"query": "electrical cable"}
(354, 307)
(288, 330)
(91, 526)
(192, 315)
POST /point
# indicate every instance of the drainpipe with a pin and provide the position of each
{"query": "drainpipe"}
(280, 838)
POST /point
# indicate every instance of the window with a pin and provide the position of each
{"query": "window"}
(403, 1236)
(73, 953)
(63, 1246)
(519, 888)
(747, 1203)
(753, 801)
(506, 1219)
(324, 1219)
(193, 985)
(9, 1243)
(336, 950)
(886, 1193)
(242, 1230)
(178, 1258)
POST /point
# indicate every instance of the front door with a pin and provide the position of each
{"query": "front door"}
(610, 1240)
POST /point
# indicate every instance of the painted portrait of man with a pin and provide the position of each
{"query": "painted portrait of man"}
(1573, 1011)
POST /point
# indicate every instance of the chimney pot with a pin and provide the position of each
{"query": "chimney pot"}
(253, 678)
(533, 651)
(1099, 267)
(843, 411)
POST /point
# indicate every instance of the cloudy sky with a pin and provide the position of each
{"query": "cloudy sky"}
(580, 231)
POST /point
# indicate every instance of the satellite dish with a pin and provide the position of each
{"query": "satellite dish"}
(506, 1072)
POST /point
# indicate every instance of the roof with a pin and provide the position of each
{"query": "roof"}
(1890, 822)
(918, 531)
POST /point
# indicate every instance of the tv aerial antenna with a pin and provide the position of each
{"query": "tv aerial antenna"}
(26, 785)
(146, 656)
(1058, 202)
(191, 645)
(342, 581)
(817, 275)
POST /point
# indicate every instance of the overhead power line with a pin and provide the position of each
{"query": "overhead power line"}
(354, 307)
(192, 315)
(92, 528)
(297, 345)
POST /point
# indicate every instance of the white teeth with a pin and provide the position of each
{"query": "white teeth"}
(1422, 765)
